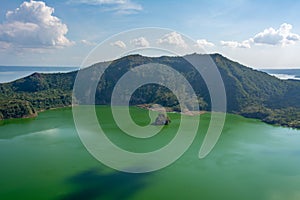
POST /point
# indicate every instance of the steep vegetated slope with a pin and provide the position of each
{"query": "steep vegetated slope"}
(249, 92)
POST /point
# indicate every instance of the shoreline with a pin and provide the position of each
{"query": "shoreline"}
(32, 116)
(159, 108)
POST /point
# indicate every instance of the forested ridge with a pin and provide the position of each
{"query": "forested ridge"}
(249, 92)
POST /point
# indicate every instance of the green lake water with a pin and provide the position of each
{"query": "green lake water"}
(43, 158)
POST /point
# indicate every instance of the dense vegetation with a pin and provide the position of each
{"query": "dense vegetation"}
(250, 93)
(16, 109)
(37, 92)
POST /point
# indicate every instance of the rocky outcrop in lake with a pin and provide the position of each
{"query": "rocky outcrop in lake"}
(161, 119)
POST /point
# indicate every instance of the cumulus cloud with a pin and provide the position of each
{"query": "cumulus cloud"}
(32, 25)
(117, 6)
(140, 42)
(282, 36)
(4, 45)
(119, 44)
(88, 43)
(174, 39)
(268, 36)
(235, 44)
(204, 43)
(293, 37)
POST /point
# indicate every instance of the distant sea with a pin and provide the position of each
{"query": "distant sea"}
(284, 73)
(11, 73)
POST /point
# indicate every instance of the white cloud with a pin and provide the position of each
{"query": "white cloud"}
(282, 36)
(119, 43)
(33, 25)
(173, 38)
(204, 43)
(88, 43)
(140, 42)
(118, 6)
(4, 45)
(293, 37)
(235, 44)
(232, 44)
(270, 36)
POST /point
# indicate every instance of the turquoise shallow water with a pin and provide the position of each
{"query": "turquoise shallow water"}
(45, 159)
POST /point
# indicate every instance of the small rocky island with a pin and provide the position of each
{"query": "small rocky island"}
(162, 119)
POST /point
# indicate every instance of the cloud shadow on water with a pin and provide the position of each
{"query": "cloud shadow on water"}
(94, 184)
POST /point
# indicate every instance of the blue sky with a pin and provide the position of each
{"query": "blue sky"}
(260, 34)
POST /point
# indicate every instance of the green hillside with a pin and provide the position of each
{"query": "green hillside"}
(250, 93)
